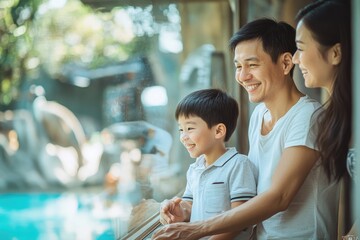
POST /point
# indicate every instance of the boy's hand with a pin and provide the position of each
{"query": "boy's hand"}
(174, 210)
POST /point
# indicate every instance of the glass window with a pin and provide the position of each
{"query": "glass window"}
(88, 141)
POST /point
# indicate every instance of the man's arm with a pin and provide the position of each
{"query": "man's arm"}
(291, 172)
(229, 235)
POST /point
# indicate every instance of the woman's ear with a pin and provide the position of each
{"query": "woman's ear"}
(335, 54)
(220, 130)
(287, 62)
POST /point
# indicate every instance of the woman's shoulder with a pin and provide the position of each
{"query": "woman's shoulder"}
(307, 103)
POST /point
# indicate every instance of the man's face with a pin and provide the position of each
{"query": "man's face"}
(256, 72)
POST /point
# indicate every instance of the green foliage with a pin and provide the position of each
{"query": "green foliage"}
(77, 34)
(36, 33)
(15, 44)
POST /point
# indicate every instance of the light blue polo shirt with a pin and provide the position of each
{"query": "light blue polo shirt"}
(212, 189)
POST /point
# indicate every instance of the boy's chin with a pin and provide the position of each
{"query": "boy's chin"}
(194, 155)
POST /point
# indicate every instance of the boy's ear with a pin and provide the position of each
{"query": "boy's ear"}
(220, 130)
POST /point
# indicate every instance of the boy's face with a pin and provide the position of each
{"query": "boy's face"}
(195, 135)
(256, 72)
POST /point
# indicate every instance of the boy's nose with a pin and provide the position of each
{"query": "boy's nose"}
(183, 137)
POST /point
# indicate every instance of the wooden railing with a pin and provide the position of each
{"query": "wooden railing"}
(145, 230)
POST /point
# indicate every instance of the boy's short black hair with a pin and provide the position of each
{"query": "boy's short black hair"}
(276, 37)
(214, 106)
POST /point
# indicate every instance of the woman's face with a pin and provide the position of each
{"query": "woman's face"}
(317, 69)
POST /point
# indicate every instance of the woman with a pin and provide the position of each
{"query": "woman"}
(323, 38)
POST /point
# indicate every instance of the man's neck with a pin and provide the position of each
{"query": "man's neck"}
(284, 100)
(278, 108)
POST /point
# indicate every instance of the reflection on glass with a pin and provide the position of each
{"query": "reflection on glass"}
(154, 96)
(88, 141)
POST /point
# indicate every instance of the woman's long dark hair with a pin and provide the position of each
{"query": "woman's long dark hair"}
(330, 23)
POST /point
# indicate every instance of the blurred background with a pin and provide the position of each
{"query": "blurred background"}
(88, 88)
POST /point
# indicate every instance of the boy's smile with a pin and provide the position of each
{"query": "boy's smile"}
(197, 137)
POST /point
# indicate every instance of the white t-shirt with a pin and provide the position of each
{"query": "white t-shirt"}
(212, 189)
(313, 212)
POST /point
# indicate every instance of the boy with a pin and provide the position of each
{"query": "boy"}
(220, 178)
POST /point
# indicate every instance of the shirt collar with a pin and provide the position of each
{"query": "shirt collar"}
(229, 154)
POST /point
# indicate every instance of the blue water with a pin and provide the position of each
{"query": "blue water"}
(55, 216)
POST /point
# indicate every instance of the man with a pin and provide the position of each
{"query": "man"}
(295, 200)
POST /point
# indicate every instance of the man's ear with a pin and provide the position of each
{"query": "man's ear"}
(287, 63)
(335, 54)
(220, 130)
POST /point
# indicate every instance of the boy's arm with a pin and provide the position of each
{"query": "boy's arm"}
(175, 210)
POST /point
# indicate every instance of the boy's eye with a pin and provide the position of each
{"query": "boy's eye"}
(186, 129)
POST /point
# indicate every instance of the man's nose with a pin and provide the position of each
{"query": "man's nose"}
(243, 76)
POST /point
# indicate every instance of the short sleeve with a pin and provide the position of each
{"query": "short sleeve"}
(302, 127)
(243, 180)
(188, 193)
